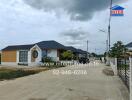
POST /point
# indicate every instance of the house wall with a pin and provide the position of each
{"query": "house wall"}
(9, 56)
(34, 61)
(53, 53)
(129, 48)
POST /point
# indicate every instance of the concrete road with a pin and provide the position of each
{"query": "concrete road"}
(67, 84)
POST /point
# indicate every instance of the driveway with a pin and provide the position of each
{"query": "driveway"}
(49, 85)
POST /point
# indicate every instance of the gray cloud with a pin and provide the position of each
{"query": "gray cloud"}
(75, 34)
(77, 9)
(74, 37)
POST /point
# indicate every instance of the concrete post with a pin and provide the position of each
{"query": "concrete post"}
(115, 71)
(130, 59)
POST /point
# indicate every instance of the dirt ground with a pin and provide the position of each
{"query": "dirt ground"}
(58, 84)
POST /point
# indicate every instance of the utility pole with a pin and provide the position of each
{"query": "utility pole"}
(109, 26)
(106, 46)
(87, 48)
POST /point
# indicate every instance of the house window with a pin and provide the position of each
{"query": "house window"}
(23, 56)
(35, 54)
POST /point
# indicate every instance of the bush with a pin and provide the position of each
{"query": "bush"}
(46, 59)
(67, 55)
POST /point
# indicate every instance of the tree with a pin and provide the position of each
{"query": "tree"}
(68, 55)
(117, 50)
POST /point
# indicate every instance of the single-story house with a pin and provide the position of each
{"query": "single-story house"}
(78, 52)
(129, 47)
(31, 54)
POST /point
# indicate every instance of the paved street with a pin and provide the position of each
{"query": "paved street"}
(47, 86)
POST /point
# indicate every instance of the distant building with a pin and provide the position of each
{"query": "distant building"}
(129, 47)
(78, 52)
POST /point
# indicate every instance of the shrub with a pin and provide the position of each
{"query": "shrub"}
(67, 55)
(46, 59)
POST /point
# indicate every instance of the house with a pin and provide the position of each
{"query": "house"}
(82, 53)
(78, 52)
(129, 47)
(31, 54)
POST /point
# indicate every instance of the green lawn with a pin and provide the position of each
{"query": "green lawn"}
(11, 73)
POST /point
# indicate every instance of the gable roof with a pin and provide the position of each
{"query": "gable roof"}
(43, 45)
(117, 8)
(71, 48)
(129, 45)
(81, 51)
(18, 47)
(50, 45)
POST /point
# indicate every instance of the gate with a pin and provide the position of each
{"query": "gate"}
(123, 67)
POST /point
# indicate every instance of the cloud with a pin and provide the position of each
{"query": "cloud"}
(74, 37)
(77, 9)
(75, 34)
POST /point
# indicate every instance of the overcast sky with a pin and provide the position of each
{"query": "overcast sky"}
(70, 22)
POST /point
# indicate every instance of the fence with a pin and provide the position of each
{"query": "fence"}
(123, 68)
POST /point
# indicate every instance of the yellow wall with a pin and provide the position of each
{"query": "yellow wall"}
(9, 56)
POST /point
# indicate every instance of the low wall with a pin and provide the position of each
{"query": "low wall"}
(130, 59)
(113, 64)
(10, 64)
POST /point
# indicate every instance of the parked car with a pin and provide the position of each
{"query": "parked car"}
(83, 60)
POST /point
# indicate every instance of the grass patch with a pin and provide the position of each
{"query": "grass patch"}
(11, 73)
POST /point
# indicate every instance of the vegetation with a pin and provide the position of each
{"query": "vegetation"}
(47, 60)
(67, 55)
(52, 66)
(49, 63)
(0, 58)
(118, 50)
(11, 73)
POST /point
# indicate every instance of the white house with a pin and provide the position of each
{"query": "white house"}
(31, 55)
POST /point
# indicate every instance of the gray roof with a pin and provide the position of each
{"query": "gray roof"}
(129, 45)
(76, 50)
(71, 48)
(50, 45)
(43, 45)
(81, 51)
(18, 47)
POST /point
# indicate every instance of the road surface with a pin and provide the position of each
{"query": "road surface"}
(66, 85)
